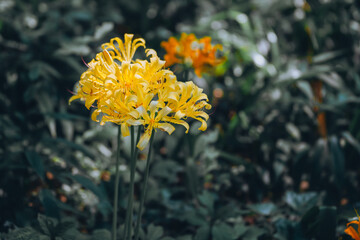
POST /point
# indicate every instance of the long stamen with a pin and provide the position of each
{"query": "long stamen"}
(70, 91)
(85, 62)
(212, 111)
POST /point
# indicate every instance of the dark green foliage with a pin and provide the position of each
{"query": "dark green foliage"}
(280, 159)
(47, 228)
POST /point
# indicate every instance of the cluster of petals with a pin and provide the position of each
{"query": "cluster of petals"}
(138, 92)
(355, 234)
(200, 54)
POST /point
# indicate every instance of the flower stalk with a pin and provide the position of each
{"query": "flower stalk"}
(117, 179)
(129, 211)
(143, 194)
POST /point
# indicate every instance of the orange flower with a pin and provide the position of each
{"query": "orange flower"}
(350, 229)
(199, 54)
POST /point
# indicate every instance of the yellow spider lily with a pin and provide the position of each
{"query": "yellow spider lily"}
(189, 101)
(131, 92)
(152, 117)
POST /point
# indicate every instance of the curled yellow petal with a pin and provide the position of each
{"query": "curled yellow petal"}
(74, 98)
(179, 122)
(125, 130)
(124, 51)
(162, 113)
(95, 114)
(144, 139)
(203, 126)
(89, 101)
(167, 127)
(107, 57)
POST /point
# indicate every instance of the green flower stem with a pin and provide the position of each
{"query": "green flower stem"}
(134, 152)
(143, 194)
(117, 178)
(132, 136)
(186, 74)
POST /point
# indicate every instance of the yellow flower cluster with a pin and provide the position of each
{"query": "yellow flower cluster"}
(132, 92)
(197, 53)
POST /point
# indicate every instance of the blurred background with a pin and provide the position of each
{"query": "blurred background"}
(280, 159)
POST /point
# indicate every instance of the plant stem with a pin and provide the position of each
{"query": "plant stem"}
(143, 194)
(128, 229)
(129, 197)
(186, 74)
(117, 178)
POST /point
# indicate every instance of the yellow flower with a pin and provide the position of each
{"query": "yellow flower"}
(156, 77)
(188, 50)
(132, 92)
(91, 84)
(123, 51)
(152, 116)
(355, 234)
(189, 101)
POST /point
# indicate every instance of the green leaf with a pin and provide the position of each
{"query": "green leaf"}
(203, 233)
(320, 222)
(66, 116)
(239, 230)
(288, 78)
(26, 233)
(327, 223)
(327, 56)
(186, 237)
(351, 140)
(49, 203)
(309, 221)
(204, 140)
(88, 184)
(227, 211)
(191, 179)
(166, 170)
(338, 161)
(88, 152)
(101, 234)
(154, 232)
(207, 199)
(104, 205)
(222, 231)
(319, 153)
(335, 81)
(253, 233)
(265, 209)
(103, 29)
(63, 227)
(305, 87)
(235, 120)
(244, 23)
(293, 130)
(194, 218)
(46, 224)
(283, 229)
(36, 163)
(72, 234)
(301, 202)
